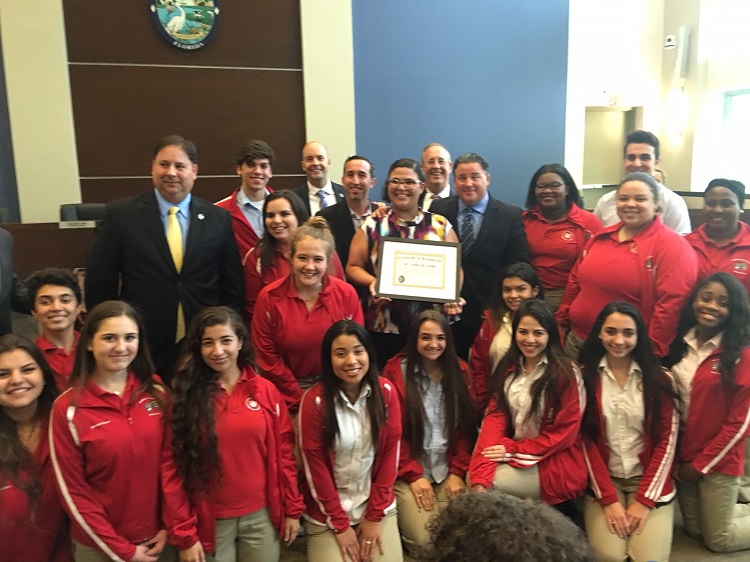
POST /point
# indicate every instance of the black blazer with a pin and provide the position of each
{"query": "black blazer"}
(340, 221)
(13, 294)
(304, 194)
(130, 246)
(501, 241)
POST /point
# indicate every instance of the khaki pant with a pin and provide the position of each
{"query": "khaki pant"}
(519, 482)
(322, 545)
(553, 297)
(710, 510)
(83, 553)
(412, 520)
(250, 538)
(573, 345)
(653, 543)
(744, 494)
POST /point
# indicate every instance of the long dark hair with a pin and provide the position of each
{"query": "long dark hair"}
(142, 366)
(571, 197)
(331, 383)
(268, 244)
(560, 369)
(522, 270)
(194, 443)
(17, 464)
(656, 384)
(460, 409)
(736, 328)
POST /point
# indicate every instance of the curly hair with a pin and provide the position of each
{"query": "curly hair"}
(490, 526)
(57, 276)
(17, 464)
(194, 443)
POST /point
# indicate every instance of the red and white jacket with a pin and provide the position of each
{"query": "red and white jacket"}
(656, 484)
(246, 237)
(557, 450)
(282, 493)
(480, 363)
(732, 257)
(107, 454)
(713, 438)
(34, 532)
(459, 448)
(321, 498)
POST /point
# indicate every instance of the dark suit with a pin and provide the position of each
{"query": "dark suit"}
(303, 193)
(501, 241)
(420, 202)
(340, 220)
(13, 294)
(130, 244)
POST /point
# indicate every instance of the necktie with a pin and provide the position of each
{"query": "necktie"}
(467, 231)
(323, 202)
(174, 240)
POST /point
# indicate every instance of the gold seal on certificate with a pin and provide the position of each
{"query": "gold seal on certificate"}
(418, 270)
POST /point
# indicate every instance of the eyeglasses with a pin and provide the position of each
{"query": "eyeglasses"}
(551, 185)
(395, 182)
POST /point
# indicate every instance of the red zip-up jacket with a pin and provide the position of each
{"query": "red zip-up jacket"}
(321, 498)
(732, 257)
(479, 361)
(34, 532)
(713, 439)
(459, 448)
(283, 498)
(107, 454)
(558, 449)
(246, 237)
(656, 484)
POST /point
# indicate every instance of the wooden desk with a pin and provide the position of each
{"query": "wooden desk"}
(41, 245)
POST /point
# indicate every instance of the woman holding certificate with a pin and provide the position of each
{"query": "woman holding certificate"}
(388, 320)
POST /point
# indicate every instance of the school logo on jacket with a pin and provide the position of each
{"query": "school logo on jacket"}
(186, 24)
(251, 404)
(152, 406)
(740, 266)
(567, 235)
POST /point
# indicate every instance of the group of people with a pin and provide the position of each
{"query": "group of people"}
(237, 371)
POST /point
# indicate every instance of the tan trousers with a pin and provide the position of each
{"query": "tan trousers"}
(412, 520)
(553, 297)
(573, 346)
(83, 553)
(710, 510)
(653, 543)
(519, 482)
(250, 538)
(744, 494)
(322, 545)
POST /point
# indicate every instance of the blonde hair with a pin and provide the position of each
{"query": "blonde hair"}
(318, 229)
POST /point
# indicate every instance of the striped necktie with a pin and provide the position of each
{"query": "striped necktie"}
(467, 231)
(323, 202)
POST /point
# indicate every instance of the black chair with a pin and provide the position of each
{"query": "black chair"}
(82, 211)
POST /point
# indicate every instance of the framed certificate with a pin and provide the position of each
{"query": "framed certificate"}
(419, 270)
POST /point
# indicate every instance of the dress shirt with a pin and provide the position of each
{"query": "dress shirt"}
(354, 454)
(429, 196)
(359, 220)
(435, 442)
(476, 210)
(674, 211)
(183, 214)
(684, 371)
(253, 211)
(623, 413)
(314, 198)
(518, 394)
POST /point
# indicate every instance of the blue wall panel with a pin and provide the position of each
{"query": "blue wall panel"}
(486, 76)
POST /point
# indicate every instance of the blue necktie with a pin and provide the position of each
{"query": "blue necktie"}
(467, 231)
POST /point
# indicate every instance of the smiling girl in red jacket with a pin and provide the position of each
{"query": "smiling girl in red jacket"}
(350, 429)
(33, 525)
(710, 360)
(630, 432)
(232, 444)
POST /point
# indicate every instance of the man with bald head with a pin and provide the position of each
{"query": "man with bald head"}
(437, 166)
(318, 192)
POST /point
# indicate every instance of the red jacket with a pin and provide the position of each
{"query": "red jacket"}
(282, 493)
(555, 246)
(713, 439)
(287, 338)
(60, 362)
(557, 449)
(321, 498)
(656, 484)
(669, 269)
(459, 449)
(480, 365)
(39, 532)
(732, 257)
(106, 451)
(246, 237)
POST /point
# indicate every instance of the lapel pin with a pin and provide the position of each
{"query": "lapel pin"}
(201, 216)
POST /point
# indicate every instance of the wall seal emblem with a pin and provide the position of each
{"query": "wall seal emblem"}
(186, 24)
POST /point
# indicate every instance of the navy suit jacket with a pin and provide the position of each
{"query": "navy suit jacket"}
(129, 259)
(340, 221)
(304, 193)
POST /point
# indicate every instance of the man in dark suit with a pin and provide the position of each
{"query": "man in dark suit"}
(437, 166)
(492, 237)
(346, 217)
(318, 192)
(13, 294)
(166, 252)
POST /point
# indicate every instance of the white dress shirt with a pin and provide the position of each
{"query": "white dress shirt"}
(314, 198)
(674, 211)
(518, 394)
(684, 371)
(429, 196)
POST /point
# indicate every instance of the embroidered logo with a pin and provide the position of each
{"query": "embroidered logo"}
(251, 404)
(151, 406)
(186, 24)
(740, 266)
(715, 366)
(567, 235)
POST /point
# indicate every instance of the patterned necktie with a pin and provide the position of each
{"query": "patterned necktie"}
(467, 231)
(174, 240)
(323, 202)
